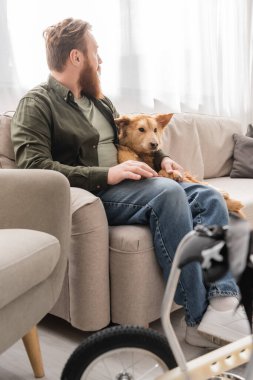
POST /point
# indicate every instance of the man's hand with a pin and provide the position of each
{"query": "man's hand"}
(173, 168)
(130, 170)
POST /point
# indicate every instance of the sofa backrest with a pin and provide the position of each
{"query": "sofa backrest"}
(7, 158)
(202, 144)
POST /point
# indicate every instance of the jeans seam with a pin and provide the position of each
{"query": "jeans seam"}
(123, 203)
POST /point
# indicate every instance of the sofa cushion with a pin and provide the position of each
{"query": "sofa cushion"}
(202, 144)
(181, 142)
(29, 256)
(238, 188)
(7, 158)
(217, 144)
(243, 157)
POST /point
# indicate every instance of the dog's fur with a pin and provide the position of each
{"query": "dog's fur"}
(139, 139)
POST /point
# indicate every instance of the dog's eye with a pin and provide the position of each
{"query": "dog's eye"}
(155, 130)
(141, 129)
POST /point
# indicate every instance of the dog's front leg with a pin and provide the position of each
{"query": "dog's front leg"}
(176, 175)
(125, 154)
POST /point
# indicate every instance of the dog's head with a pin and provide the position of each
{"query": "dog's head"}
(142, 133)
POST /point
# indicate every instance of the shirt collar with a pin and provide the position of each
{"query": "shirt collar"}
(63, 91)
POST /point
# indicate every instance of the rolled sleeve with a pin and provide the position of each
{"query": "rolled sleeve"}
(159, 155)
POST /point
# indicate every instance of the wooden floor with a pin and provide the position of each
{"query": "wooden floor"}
(58, 340)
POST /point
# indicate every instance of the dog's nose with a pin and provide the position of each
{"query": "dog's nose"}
(153, 145)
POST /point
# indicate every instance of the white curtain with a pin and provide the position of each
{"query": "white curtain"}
(158, 55)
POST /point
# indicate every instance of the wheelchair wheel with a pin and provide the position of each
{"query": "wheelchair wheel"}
(120, 353)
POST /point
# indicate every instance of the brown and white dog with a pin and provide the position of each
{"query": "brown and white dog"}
(139, 139)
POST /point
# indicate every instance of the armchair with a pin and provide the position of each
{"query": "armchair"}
(34, 241)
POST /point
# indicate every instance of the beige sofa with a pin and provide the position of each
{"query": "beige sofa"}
(32, 261)
(112, 273)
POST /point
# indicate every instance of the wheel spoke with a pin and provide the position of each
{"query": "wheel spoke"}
(96, 372)
(109, 372)
(140, 364)
(148, 372)
(132, 354)
(135, 363)
(122, 364)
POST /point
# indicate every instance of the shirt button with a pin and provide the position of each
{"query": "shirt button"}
(98, 186)
(28, 145)
(94, 146)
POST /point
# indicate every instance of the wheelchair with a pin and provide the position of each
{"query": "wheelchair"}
(138, 353)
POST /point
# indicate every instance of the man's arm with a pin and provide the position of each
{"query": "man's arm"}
(171, 166)
(32, 133)
(163, 161)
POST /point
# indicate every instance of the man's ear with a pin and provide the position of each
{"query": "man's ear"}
(163, 119)
(74, 57)
(122, 121)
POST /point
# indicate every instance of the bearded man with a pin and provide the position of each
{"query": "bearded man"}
(67, 125)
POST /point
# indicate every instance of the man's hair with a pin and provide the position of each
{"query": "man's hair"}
(61, 38)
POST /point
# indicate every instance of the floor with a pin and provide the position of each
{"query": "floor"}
(58, 340)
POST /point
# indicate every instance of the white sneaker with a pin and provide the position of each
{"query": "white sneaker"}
(194, 338)
(224, 327)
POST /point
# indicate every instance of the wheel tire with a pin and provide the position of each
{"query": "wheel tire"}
(119, 337)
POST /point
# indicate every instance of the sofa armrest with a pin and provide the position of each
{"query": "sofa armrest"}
(37, 200)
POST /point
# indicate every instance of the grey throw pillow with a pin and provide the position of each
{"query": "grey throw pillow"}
(250, 130)
(243, 157)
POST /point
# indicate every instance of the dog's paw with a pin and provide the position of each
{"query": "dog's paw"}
(163, 173)
(175, 175)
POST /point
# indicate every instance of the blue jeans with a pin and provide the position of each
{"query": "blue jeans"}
(171, 210)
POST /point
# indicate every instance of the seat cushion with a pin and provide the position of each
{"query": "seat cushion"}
(137, 284)
(26, 258)
(238, 188)
(130, 239)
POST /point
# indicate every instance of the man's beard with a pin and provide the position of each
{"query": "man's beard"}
(90, 83)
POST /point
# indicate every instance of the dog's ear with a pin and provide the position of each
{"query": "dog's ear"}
(163, 119)
(122, 121)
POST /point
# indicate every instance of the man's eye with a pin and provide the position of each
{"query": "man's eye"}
(155, 130)
(141, 129)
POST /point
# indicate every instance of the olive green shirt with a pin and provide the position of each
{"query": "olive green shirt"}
(50, 131)
(107, 151)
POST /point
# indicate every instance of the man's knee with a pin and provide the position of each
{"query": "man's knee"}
(215, 206)
(212, 195)
(169, 191)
